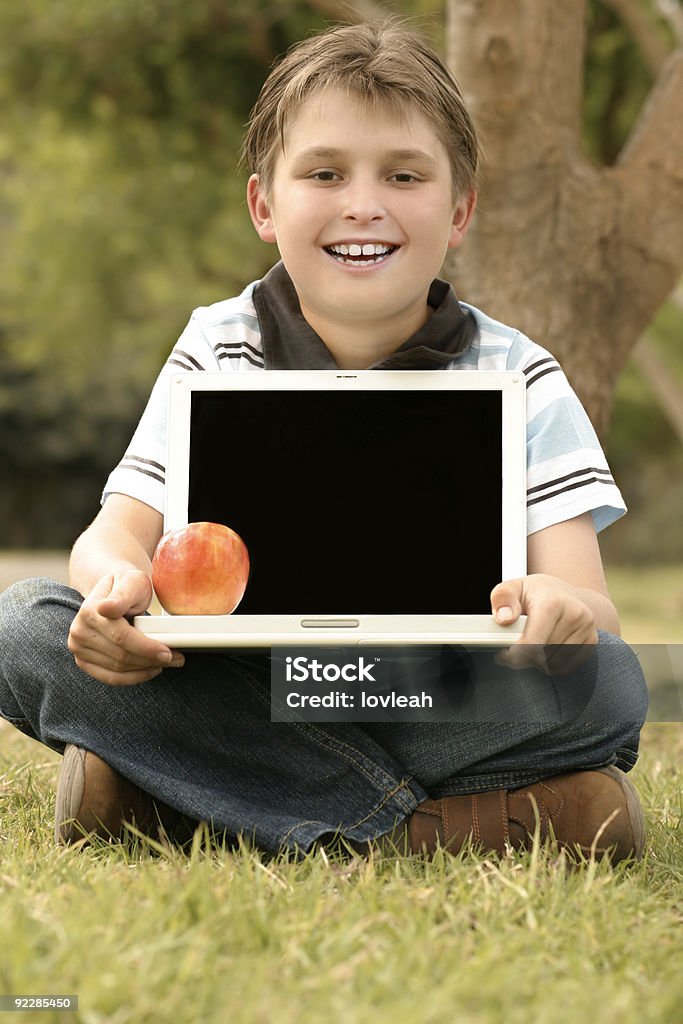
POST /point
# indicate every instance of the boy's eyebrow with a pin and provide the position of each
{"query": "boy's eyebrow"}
(391, 156)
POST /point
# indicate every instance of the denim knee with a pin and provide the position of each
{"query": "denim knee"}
(29, 607)
(618, 709)
(16, 614)
(16, 610)
(622, 687)
(35, 617)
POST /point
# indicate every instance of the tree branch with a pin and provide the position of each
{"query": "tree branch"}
(649, 174)
(655, 139)
(672, 12)
(651, 43)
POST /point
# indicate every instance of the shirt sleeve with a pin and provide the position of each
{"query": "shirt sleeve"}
(141, 473)
(567, 472)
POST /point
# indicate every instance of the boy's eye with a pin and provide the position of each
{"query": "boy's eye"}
(404, 177)
(324, 176)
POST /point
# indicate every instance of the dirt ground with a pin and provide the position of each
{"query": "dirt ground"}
(20, 565)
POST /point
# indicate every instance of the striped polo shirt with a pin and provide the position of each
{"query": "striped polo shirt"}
(264, 329)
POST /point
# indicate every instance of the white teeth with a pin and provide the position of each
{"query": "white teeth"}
(367, 249)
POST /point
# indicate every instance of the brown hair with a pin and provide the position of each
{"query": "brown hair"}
(379, 62)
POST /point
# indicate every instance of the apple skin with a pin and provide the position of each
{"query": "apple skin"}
(200, 569)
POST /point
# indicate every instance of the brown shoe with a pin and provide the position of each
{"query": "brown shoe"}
(596, 813)
(93, 799)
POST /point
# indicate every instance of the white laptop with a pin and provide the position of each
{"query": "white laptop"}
(378, 506)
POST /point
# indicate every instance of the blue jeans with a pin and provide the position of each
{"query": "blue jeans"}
(200, 738)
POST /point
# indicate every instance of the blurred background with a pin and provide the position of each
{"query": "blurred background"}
(122, 208)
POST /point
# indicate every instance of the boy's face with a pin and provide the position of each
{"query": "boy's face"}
(353, 177)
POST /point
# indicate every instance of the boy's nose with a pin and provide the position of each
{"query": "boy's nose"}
(363, 204)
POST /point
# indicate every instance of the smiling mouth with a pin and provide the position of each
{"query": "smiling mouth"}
(357, 255)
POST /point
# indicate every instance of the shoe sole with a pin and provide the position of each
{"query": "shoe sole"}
(633, 805)
(70, 787)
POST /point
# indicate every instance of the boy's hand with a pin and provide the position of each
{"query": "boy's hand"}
(560, 629)
(103, 640)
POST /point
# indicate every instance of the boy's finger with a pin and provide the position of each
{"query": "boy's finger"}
(517, 657)
(522, 655)
(531, 650)
(102, 652)
(115, 677)
(117, 642)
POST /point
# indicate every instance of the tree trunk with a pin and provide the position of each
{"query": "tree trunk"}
(664, 385)
(579, 257)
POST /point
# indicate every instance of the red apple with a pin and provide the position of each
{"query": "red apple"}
(200, 569)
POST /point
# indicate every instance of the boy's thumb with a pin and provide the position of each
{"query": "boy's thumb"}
(505, 602)
(127, 594)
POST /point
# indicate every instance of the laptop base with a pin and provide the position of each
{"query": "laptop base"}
(211, 632)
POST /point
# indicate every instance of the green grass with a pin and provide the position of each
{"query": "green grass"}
(143, 936)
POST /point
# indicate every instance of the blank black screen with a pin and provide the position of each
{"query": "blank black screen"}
(354, 502)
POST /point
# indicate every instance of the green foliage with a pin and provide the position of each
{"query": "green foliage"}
(617, 78)
(123, 206)
(616, 84)
(122, 210)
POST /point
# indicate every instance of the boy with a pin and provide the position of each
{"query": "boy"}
(363, 162)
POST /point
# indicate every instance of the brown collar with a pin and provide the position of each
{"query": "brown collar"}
(290, 343)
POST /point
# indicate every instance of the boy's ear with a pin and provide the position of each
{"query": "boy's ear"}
(462, 218)
(259, 210)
